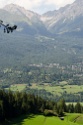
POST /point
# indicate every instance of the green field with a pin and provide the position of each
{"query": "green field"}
(55, 90)
(70, 119)
(17, 87)
(58, 89)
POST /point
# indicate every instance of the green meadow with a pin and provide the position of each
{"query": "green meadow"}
(70, 119)
(54, 89)
(59, 89)
(18, 87)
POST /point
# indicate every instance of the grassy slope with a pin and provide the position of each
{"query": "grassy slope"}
(76, 118)
(80, 120)
(42, 120)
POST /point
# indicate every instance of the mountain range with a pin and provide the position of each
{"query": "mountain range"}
(67, 20)
(42, 39)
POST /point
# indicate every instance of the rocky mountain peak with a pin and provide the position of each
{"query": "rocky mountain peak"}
(78, 1)
(66, 19)
(16, 9)
(12, 8)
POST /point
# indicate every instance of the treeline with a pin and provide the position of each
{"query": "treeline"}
(18, 103)
(32, 75)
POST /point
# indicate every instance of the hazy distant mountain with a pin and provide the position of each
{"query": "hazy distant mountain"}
(28, 22)
(24, 49)
(67, 20)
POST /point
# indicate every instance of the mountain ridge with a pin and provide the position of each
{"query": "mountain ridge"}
(66, 20)
(64, 16)
(28, 22)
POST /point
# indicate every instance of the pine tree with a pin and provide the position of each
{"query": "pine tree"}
(78, 108)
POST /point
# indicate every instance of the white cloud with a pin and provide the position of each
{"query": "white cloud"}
(37, 5)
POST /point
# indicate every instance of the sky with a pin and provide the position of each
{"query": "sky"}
(39, 6)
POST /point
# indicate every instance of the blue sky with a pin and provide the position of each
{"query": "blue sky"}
(39, 6)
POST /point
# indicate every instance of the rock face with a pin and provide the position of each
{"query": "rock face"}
(28, 22)
(67, 20)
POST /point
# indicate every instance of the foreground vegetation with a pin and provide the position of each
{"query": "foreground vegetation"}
(19, 103)
(70, 119)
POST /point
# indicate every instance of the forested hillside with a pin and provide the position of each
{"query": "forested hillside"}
(41, 63)
(23, 50)
(39, 60)
(15, 104)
